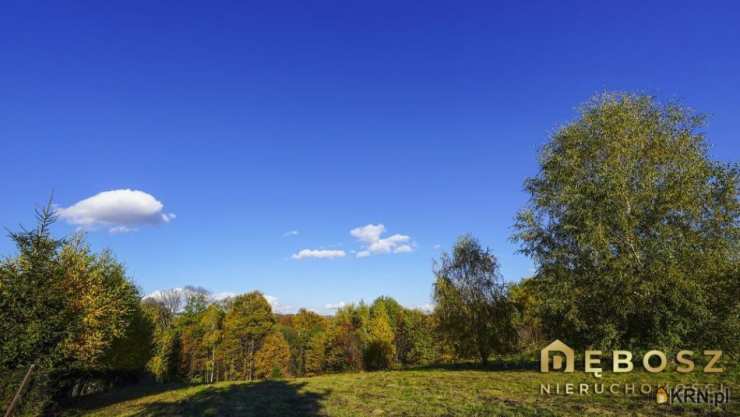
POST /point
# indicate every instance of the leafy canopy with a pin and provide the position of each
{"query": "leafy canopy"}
(473, 312)
(633, 228)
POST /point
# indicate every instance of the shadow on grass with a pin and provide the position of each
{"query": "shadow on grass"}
(494, 365)
(127, 393)
(260, 399)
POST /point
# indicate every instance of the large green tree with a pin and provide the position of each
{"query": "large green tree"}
(634, 229)
(473, 312)
(33, 304)
(70, 311)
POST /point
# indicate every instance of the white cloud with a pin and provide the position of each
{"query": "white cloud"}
(278, 307)
(370, 234)
(437, 247)
(121, 229)
(404, 249)
(335, 306)
(157, 294)
(220, 296)
(318, 253)
(292, 233)
(120, 211)
(427, 308)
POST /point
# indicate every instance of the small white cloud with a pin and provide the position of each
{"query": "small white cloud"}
(292, 233)
(156, 294)
(278, 307)
(427, 308)
(120, 211)
(335, 306)
(121, 229)
(318, 253)
(370, 234)
(437, 247)
(403, 249)
(220, 296)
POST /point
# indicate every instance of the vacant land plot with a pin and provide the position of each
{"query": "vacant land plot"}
(434, 392)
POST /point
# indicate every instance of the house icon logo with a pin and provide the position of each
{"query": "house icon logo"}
(661, 395)
(559, 350)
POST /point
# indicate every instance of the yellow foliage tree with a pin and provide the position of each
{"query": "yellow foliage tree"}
(273, 358)
(101, 299)
(381, 350)
(314, 364)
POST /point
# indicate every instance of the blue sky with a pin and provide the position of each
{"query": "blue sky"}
(249, 120)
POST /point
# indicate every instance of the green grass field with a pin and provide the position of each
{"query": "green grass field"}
(433, 392)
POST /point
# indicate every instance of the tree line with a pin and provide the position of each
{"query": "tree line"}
(241, 338)
(632, 227)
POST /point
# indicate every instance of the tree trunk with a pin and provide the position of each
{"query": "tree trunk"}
(484, 353)
(17, 397)
(251, 360)
(245, 371)
(213, 366)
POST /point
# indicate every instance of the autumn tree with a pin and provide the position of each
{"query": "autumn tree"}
(307, 325)
(194, 353)
(380, 352)
(212, 321)
(526, 298)
(395, 313)
(315, 354)
(132, 351)
(393, 310)
(247, 322)
(346, 339)
(69, 311)
(634, 229)
(273, 358)
(471, 305)
(165, 359)
(100, 297)
(414, 338)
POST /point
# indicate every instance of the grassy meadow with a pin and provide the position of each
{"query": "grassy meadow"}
(423, 392)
